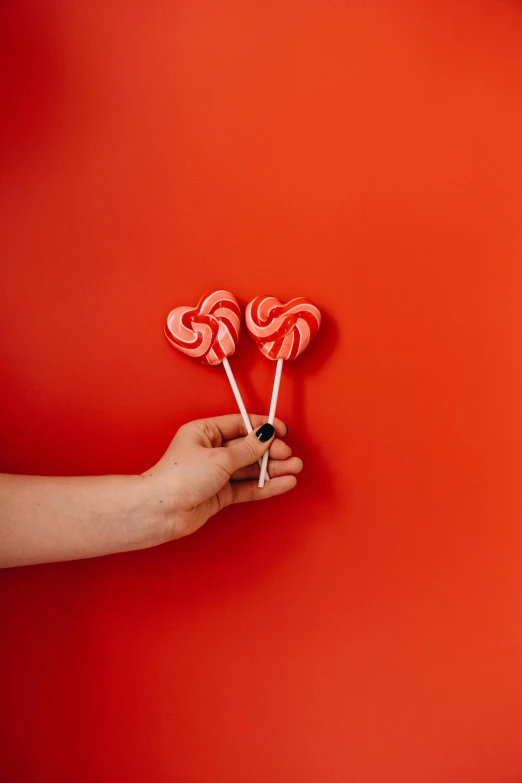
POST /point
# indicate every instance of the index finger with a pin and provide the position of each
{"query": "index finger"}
(232, 425)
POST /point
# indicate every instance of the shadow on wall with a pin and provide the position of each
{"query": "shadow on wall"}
(318, 488)
(298, 377)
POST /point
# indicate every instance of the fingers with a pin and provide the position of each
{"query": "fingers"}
(245, 451)
(247, 491)
(276, 468)
(214, 431)
(285, 467)
(278, 450)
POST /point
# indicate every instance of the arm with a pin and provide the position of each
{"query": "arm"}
(43, 519)
(209, 465)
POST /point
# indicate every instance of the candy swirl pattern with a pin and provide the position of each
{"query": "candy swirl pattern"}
(282, 331)
(208, 332)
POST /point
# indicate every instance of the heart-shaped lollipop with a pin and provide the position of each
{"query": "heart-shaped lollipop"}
(209, 332)
(282, 332)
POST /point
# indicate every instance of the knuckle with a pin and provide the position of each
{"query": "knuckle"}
(224, 499)
(209, 429)
(219, 464)
(250, 450)
(242, 428)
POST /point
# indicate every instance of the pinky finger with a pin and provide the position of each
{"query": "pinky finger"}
(245, 491)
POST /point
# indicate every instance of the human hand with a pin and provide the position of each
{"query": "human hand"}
(212, 463)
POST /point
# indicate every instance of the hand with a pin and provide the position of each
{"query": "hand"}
(212, 463)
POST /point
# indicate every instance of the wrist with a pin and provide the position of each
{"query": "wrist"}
(153, 521)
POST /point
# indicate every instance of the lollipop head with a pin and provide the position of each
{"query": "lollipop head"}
(208, 332)
(282, 331)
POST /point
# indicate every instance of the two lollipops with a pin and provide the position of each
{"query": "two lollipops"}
(210, 331)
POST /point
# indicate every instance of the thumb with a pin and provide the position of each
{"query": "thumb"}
(249, 450)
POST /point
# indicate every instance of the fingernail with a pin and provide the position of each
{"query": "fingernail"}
(265, 432)
(287, 429)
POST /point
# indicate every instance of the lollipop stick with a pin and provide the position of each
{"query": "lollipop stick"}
(237, 395)
(271, 418)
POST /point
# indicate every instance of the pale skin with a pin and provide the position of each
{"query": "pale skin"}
(210, 464)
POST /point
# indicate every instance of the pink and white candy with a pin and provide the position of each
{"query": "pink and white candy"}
(208, 332)
(282, 332)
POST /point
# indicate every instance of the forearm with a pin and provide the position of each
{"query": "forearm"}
(44, 519)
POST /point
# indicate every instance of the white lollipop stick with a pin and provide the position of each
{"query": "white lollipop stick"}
(271, 418)
(239, 399)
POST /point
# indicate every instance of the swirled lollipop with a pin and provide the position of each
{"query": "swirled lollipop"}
(209, 332)
(282, 332)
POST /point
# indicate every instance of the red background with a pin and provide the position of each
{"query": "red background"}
(367, 627)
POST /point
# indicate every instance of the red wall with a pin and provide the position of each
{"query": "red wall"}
(366, 628)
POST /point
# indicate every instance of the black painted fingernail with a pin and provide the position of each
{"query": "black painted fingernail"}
(265, 432)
